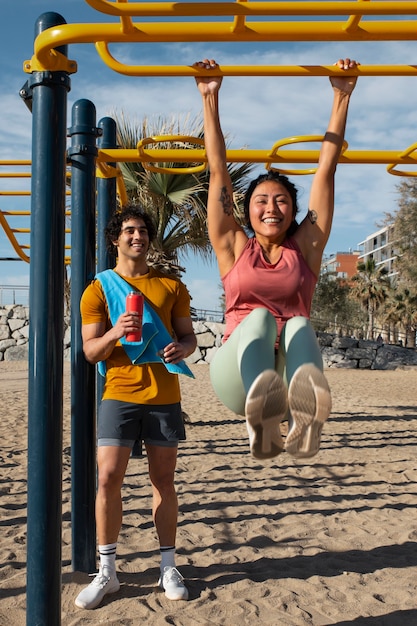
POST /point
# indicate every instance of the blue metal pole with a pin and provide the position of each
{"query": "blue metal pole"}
(106, 196)
(46, 302)
(106, 205)
(82, 153)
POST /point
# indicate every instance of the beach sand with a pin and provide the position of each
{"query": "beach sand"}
(327, 541)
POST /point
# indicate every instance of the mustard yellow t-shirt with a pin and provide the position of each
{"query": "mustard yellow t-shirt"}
(148, 383)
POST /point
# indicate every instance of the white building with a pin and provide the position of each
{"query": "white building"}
(380, 246)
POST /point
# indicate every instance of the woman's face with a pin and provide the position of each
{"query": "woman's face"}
(270, 209)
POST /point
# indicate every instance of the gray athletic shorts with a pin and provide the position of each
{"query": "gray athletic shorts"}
(123, 423)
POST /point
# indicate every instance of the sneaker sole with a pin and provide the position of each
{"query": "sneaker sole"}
(172, 596)
(176, 597)
(94, 605)
(265, 408)
(310, 404)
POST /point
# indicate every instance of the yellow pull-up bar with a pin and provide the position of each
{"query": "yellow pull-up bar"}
(251, 9)
(277, 156)
(251, 70)
(289, 25)
(234, 21)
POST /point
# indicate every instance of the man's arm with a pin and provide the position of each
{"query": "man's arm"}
(98, 344)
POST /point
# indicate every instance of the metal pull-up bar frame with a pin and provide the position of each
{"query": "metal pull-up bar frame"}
(155, 22)
(288, 25)
(49, 67)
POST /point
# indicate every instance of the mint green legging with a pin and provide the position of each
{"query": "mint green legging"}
(250, 350)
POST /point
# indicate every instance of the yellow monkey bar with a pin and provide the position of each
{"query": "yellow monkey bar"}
(284, 22)
(7, 216)
(239, 21)
(243, 8)
(15, 234)
(150, 157)
(277, 155)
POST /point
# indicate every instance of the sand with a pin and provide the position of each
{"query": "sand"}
(328, 541)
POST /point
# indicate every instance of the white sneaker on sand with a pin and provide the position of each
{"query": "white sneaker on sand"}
(310, 404)
(91, 596)
(173, 584)
(265, 408)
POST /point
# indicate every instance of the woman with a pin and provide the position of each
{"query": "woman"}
(270, 366)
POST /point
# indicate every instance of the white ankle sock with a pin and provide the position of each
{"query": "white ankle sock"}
(108, 556)
(167, 557)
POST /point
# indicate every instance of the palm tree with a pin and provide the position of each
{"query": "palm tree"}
(402, 308)
(333, 304)
(370, 286)
(177, 202)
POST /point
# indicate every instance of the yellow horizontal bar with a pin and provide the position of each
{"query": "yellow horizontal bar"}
(25, 193)
(46, 58)
(16, 213)
(155, 155)
(14, 162)
(251, 70)
(15, 174)
(15, 193)
(183, 9)
(26, 213)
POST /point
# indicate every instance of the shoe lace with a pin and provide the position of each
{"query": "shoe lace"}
(173, 575)
(100, 579)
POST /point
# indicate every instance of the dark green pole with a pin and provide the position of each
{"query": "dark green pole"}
(46, 302)
(82, 154)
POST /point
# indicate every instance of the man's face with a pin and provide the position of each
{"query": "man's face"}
(133, 241)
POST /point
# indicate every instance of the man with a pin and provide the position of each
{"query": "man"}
(141, 397)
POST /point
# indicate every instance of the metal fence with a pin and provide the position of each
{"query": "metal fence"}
(206, 315)
(14, 294)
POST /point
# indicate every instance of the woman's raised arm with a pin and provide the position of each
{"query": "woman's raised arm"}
(224, 231)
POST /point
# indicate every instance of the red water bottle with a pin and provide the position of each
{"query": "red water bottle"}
(134, 304)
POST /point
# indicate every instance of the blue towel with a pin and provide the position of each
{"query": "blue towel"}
(154, 334)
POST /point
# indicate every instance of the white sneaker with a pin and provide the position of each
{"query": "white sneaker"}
(173, 584)
(265, 408)
(91, 596)
(310, 404)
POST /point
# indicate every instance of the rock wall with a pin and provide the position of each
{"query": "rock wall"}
(337, 351)
(14, 333)
(363, 354)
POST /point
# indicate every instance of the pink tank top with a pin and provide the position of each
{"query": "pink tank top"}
(285, 288)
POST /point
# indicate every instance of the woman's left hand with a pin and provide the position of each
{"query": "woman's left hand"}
(345, 83)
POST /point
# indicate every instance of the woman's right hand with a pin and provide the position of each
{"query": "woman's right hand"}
(208, 84)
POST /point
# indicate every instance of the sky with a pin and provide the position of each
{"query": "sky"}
(255, 113)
